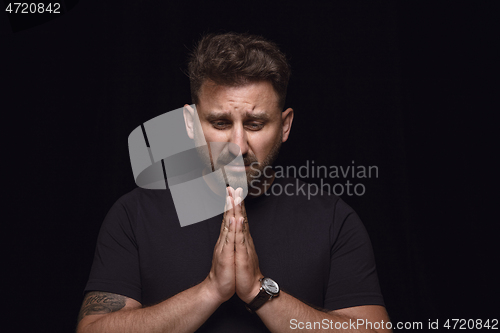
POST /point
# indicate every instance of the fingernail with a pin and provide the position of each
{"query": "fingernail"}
(241, 220)
(231, 220)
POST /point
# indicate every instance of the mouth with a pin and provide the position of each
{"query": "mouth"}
(237, 167)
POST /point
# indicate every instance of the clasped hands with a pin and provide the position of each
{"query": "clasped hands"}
(235, 266)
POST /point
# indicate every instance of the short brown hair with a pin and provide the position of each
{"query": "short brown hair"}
(234, 59)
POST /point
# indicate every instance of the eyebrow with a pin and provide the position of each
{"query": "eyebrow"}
(214, 115)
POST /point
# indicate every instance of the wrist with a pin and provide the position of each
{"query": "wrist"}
(268, 290)
(209, 294)
(254, 291)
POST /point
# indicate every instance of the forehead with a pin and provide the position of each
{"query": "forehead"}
(258, 95)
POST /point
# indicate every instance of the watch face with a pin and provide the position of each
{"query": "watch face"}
(270, 286)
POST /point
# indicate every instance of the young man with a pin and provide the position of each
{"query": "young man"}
(276, 262)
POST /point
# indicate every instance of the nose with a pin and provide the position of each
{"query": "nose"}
(238, 137)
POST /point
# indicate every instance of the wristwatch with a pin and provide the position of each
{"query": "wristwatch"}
(268, 289)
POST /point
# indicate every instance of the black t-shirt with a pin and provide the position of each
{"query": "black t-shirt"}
(315, 248)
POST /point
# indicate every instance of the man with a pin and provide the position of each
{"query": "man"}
(152, 275)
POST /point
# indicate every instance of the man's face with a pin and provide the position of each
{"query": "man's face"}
(247, 116)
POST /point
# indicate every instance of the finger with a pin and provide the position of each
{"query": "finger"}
(230, 191)
(224, 216)
(240, 202)
(229, 237)
(240, 245)
(231, 204)
(248, 238)
(227, 206)
(240, 213)
(243, 209)
(246, 229)
(237, 202)
(223, 237)
(230, 211)
(224, 227)
(239, 208)
(246, 233)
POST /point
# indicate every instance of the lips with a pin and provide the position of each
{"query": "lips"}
(236, 167)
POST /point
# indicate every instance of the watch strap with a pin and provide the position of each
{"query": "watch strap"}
(259, 300)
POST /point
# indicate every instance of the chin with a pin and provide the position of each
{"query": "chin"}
(236, 181)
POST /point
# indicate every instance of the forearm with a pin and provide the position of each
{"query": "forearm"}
(184, 312)
(285, 313)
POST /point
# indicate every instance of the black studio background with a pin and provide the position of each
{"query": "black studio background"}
(400, 85)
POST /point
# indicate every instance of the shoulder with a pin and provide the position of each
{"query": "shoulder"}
(143, 198)
(143, 195)
(313, 201)
(131, 207)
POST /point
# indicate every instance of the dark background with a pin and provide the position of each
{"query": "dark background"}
(405, 86)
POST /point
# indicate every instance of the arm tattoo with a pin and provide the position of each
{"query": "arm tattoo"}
(98, 302)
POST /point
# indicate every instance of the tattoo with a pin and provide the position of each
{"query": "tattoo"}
(98, 302)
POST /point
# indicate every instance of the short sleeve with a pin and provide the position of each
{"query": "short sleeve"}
(353, 277)
(115, 267)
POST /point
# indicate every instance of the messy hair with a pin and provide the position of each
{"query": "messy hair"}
(234, 59)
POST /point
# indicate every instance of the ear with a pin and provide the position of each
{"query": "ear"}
(189, 120)
(286, 121)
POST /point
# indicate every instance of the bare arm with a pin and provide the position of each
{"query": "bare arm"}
(184, 312)
(287, 314)
(107, 312)
(99, 303)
